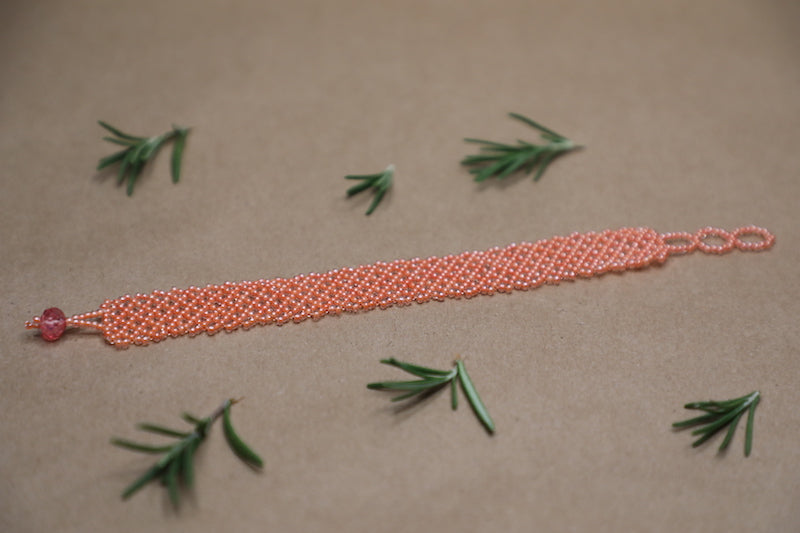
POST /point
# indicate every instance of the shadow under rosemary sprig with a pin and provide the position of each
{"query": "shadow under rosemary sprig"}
(721, 414)
(176, 467)
(139, 150)
(500, 160)
(432, 380)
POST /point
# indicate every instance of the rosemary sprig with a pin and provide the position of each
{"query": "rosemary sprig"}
(500, 160)
(381, 182)
(176, 466)
(433, 380)
(721, 414)
(139, 150)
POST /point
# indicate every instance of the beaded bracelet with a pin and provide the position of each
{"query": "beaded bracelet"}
(144, 318)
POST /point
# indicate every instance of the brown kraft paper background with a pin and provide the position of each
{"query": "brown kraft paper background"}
(688, 112)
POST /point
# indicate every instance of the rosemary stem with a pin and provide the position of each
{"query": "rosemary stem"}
(221, 409)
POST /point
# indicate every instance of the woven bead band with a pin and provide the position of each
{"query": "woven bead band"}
(144, 318)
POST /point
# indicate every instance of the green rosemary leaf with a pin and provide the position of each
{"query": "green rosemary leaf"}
(376, 200)
(187, 464)
(698, 405)
(719, 423)
(499, 170)
(474, 398)
(490, 145)
(731, 431)
(741, 400)
(715, 406)
(177, 155)
(543, 164)
(118, 133)
(708, 407)
(161, 430)
(146, 478)
(419, 384)
(123, 169)
(488, 171)
(706, 435)
(412, 388)
(513, 165)
(364, 177)
(132, 175)
(536, 125)
(508, 150)
(121, 142)
(408, 395)
(171, 481)
(137, 447)
(417, 370)
(695, 421)
(748, 432)
(477, 159)
(110, 160)
(173, 454)
(190, 418)
(453, 394)
(355, 189)
(236, 443)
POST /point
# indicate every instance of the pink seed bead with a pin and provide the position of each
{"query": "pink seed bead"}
(52, 324)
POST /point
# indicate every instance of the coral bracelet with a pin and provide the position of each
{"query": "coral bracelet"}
(144, 318)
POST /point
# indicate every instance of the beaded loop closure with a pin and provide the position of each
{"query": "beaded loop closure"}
(143, 318)
(681, 243)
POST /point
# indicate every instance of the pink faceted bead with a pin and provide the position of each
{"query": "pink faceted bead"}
(52, 324)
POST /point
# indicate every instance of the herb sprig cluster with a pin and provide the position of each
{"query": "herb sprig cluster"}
(432, 380)
(500, 160)
(720, 415)
(139, 150)
(176, 466)
(381, 182)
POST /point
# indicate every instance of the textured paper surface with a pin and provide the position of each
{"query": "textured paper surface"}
(689, 114)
